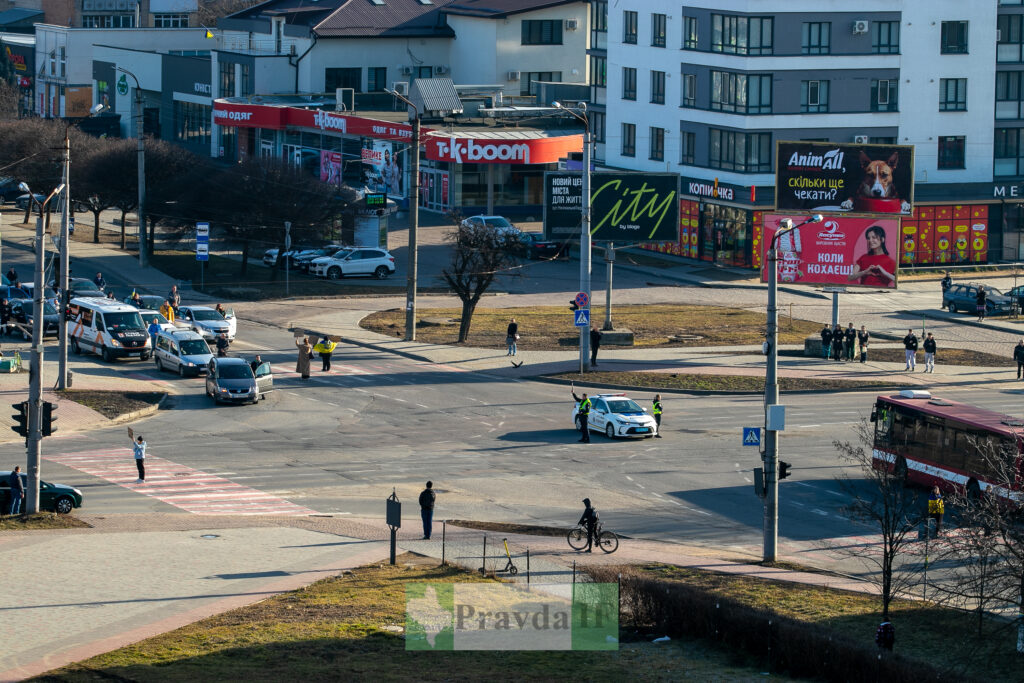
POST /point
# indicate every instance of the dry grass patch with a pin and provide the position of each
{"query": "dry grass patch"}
(697, 382)
(41, 520)
(112, 404)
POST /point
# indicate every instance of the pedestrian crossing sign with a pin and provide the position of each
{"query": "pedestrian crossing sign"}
(751, 436)
(581, 317)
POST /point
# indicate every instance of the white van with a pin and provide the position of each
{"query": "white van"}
(107, 327)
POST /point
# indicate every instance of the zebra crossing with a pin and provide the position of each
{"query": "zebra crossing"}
(183, 487)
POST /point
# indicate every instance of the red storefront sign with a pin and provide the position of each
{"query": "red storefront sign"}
(279, 118)
(495, 151)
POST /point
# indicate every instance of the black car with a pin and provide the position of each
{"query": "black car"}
(79, 286)
(964, 298)
(24, 199)
(302, 261)
(21, 313)
(9, 189)
(10, 293)
(539, 248)
(55, 497)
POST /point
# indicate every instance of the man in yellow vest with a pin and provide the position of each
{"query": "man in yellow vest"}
(936, 508)
(325, 347)
(657, 414)
(583, 411)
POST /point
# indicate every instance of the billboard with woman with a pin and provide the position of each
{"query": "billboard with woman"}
(839, 251)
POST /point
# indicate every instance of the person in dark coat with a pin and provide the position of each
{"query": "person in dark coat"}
(511, 337)
(256, 362)
(427, 498)
(595, 344)
(589, 519)
(850, 341)
(826, 341)
(981, 297)
(862, 342)
(100, 283)
(5, 315)
(17, 491)
(837, 343)
(910, 350)
(1018, 355)
(12, 275)
(947, 282)
(222, 345)
(929, 353)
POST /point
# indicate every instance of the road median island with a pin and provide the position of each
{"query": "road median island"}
(549, 328)
(116, 405)
(41, 521)
(683, 382)
(352, 628)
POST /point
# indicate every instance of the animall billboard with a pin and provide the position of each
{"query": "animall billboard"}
(844, 177)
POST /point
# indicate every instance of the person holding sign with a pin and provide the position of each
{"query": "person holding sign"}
(875, 267)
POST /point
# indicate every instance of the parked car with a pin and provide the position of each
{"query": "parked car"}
(617, 415)
(539, 248)
(1017, 294)
(22, 313)
(11, 293)
(376, 263)
(207, 321)
(81, 287)
(149, 301)
(148, 315)
(182, 351)
(302, 260)
(496, 222)
(23, 200)
(964, 298)
(9, 189)
(55, 497)
(48, 292)
(232, 380)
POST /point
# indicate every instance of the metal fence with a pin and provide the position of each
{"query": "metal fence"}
(485, 552)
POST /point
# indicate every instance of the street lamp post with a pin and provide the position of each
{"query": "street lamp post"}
(143, 246)
(771, 395)
(414, 219)
(35, 381)
(581, 114)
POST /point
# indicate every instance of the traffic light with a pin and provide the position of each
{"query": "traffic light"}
(783, 469)
(572, 305)
(48, 418)
(20, 425)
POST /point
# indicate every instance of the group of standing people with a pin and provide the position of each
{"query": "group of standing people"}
(910, 346)
(844, 344)
(512, 341)
(325, 347)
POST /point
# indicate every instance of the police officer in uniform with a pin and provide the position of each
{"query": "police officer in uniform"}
(584, 414)
(657, 414)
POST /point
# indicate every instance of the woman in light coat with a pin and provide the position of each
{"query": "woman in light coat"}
(302, 363)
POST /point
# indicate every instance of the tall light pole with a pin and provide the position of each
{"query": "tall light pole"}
(35, 378)
(581, 114)
(414, 218)
(143, 249)
(772, 422)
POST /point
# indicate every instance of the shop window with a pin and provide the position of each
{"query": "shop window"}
(884, 95)
(657, 87)
(659, 24)
(951, 151)
(1009, 38)
(953, 94)
(542, 31)
(741, 35)
(657, 151)
(954, 38)
(628, 83)
(815, 38)
(743, 152)
(629, 140)
(741, 93)
(1008, 151)
(687, 144)
(376, 78)
(343, 78)
(885, 37)
(629, 27)
(192, 123)
(689, 33)
(814, 97)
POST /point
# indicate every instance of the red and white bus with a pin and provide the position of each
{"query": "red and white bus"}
(936, 442)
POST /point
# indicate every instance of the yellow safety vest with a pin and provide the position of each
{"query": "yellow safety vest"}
(936, 506)
(585, 407)
(657, 407)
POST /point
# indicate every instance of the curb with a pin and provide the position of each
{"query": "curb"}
(364, 344)
(138, 414)
(711, 392)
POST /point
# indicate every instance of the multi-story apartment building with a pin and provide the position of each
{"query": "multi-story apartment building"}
(118, 13)
(706, 89)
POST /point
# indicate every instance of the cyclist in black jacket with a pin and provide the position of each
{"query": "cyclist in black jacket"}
(589, 518)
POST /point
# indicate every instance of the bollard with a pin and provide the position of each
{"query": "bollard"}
(574, 572)
(444, 528)
(527, 566)
(394, 520)
(483, 564)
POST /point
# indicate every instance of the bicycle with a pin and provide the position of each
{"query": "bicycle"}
(607, 541)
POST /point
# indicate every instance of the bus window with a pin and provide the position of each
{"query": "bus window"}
(883, 424)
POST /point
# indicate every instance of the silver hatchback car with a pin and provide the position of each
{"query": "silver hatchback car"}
(181, 351)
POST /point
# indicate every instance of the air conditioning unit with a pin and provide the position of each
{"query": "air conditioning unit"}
(860, 139)
(406, 70)
(860, 27)
(513, 75)
(572, 24)
(441, 70)
(401, 87)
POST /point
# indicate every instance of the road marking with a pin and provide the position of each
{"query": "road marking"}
(332, 404)
(400, 400)
(486, 423)
(629, 477)
(191, 490)
(640, 485)
(817, 488)
(806, 426)
(422, 406)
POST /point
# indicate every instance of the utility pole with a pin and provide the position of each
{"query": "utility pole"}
(65, 264)
(414, 222)
(609, 259)
(585, 240)
(143, 242)
(287, 247)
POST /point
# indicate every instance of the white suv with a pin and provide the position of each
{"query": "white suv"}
(373, 262)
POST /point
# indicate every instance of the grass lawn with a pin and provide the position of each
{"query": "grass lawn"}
(684, 382)
(545, 328)
(944, 637)
(40, 520)
(349, 628)
(112, 404)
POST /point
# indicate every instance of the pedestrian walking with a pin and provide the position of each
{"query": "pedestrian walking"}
(5, 315)
(305, 354)
(910, 350)
(850, 341)
(222, 345)
(589, 519)
(947, 282)
(325, 347)
(885, 636)
(427, 498)
(981, 298)
(100, 283)
(929, 353)
(139, 450)
(583, 412)
(837, 343)
(862, 342)
(511, 337)
(936, 508)
(17, 491)
(656, 410)
(595, 344)
(826, 341)
(153, 329)
(1018, 355)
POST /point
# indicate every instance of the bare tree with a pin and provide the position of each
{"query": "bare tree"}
(174, 177)
(878, 499)
(479, 254)
(211, 10)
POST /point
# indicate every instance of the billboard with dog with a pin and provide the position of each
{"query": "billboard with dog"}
(849, 251)
(839, 177)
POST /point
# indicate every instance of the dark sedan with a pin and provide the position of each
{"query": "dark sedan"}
(963, 298)
(53, 497)
(539, 248)
(150, 302)
(79, 286)
(23, 200)
(21, 313)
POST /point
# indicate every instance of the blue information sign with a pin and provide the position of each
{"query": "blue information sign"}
(751, 436)
(581, 318)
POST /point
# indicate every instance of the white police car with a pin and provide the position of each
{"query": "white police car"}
(617, 415)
